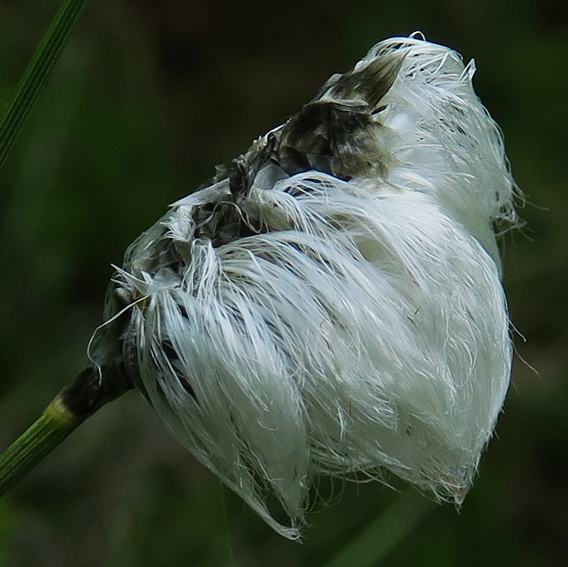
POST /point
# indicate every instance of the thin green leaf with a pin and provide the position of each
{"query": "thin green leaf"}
(37, 72)
(384, 533)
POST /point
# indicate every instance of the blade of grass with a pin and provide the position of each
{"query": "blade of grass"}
(37, 73)
(384, 533)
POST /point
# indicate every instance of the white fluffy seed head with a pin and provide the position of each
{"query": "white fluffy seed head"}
(331, 304)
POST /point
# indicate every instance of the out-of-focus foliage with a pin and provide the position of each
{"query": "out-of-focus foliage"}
(147, 98)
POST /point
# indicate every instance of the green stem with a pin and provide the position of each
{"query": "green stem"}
(37, 72)
(91, 390)
(56, 423)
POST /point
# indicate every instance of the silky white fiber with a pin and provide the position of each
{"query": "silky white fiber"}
(331, 303)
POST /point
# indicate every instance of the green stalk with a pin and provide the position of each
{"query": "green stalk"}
(56, 423)
(37, 73)
(91, 390)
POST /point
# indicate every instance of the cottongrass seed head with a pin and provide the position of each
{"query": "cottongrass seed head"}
(330, 303)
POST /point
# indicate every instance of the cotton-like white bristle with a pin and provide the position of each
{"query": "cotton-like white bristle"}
(446, 144)
(332, 304)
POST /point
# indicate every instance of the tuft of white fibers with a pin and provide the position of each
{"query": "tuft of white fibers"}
(331, 304)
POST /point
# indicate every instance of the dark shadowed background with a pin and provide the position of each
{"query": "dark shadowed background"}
(148, 96)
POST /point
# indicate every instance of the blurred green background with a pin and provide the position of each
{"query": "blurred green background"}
(148, 96)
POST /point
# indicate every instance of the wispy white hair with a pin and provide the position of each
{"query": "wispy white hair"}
(331, 303)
